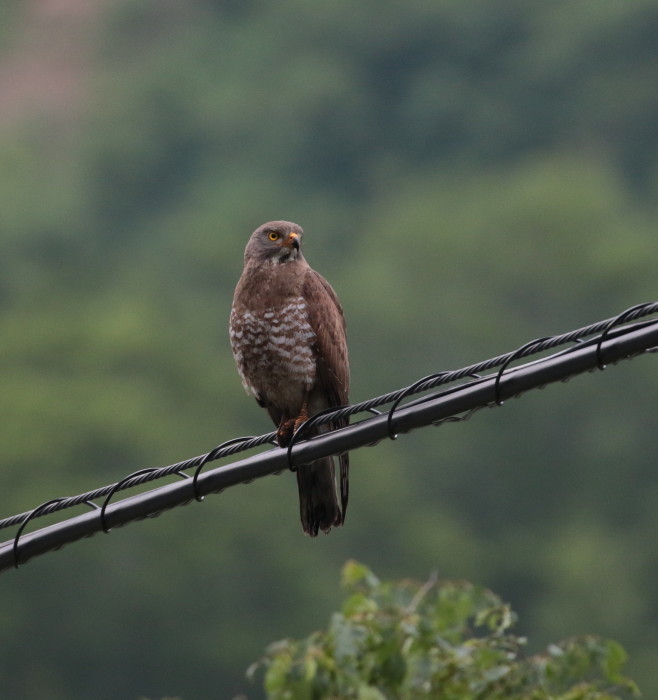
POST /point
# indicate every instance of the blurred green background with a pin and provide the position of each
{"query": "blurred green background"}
(470, 175)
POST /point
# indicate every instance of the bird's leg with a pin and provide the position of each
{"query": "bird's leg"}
(288, 427)
(303, 415)
(285, 432)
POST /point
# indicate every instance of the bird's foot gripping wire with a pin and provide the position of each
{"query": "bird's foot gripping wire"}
(285, 431)
(287, 428)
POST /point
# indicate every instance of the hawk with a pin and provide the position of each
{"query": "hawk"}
(287, 333)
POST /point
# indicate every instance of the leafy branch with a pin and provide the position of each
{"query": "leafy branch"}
(439, 639)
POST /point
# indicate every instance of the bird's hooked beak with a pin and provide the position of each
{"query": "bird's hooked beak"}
(288, 247)
(291, 241)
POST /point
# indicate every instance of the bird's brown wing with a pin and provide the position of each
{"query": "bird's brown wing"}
(328, 323)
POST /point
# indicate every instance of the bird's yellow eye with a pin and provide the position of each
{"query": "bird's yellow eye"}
(273, 236)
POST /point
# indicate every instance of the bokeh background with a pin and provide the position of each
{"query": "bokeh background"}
(470, 175)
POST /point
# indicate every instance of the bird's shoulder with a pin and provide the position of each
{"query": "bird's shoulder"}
(327, 320)
(318, 292)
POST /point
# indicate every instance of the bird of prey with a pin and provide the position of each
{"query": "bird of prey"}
(287, 333)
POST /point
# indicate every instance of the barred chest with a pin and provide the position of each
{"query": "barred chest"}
(273, 349)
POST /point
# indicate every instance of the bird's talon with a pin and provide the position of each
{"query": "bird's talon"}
(285, 431)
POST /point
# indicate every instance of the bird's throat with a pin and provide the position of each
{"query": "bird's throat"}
(288, 256)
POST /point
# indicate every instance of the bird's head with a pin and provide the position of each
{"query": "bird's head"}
(276, 242)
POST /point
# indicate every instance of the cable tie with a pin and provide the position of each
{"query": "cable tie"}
(30, 515)
(510, 358)
(411, 389)
(117, 487)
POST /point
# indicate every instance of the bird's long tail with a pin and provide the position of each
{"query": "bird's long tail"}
(318, 495)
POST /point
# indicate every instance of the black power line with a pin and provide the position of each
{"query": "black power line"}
(593, 346)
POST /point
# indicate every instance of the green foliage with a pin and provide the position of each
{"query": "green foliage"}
(449, 639)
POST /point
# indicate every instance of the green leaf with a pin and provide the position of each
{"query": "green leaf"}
(614, 660)
(367, 692)
(355, 575)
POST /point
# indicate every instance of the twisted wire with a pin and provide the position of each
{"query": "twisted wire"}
(237, 445)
